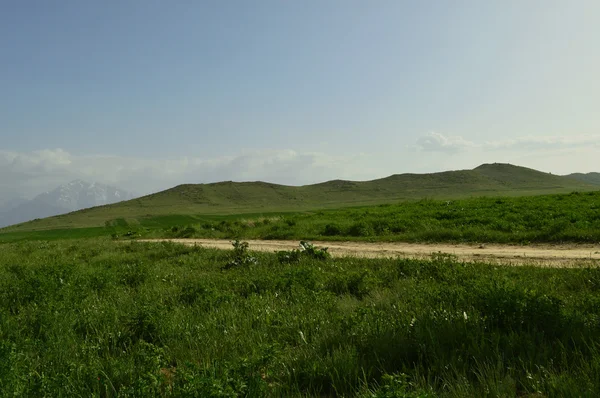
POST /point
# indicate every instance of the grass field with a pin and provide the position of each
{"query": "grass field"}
(550, 218)
(86, 312)
(571, 217)
(227, 198)
(103, 318)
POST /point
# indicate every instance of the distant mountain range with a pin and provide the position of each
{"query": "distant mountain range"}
(76, 195)
(190, 201)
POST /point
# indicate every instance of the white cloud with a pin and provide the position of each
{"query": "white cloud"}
(545, 142)
(435, 142)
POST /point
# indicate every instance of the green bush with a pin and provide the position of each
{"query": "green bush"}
(332, 230)
(307, 250)
(360, 229)
(239, 256)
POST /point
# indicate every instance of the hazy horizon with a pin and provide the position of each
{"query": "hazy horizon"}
(34, 194)
(146, 95)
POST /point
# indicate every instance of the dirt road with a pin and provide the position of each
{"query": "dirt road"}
(544, 255)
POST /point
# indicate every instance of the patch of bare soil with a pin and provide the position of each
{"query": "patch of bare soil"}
(541, 255)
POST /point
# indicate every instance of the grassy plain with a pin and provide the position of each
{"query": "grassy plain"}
(95, 317)
(571, 217)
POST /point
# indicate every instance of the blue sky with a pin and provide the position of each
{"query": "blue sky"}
(149, 94)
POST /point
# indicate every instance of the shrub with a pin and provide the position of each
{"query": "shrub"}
(239, 256)
(360, 229)
(332, 230)
(306, 250)
(353, 283)
(289, 256)
(309, 250)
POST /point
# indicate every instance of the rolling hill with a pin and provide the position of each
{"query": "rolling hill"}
(589, 178)
(261, 197)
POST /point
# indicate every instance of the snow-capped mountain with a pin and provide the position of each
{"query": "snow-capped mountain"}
(73, 196)
(78, 195)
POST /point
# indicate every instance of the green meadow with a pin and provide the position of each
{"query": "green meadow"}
(87, 310)
(96, 317)
(573, 217)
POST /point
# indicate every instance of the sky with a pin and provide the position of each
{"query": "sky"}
(148, 94)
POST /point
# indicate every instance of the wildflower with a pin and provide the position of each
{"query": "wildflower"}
(465, 315)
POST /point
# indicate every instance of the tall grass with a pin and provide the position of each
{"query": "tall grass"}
(102, 318)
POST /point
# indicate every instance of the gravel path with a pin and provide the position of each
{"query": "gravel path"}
(545, 255)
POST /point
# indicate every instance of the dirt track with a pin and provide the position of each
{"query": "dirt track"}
(544, 255)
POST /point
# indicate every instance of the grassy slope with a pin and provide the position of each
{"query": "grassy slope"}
(589, 178)
(251, 197)
(95, 318)
(571, 217)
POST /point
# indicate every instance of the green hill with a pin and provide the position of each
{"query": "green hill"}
(260, 197)
(589, 178)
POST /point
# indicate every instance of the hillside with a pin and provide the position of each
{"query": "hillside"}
(260, 197)
(589, 178)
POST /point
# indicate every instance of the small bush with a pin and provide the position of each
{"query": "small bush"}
(289, 256)
(311, 251)
(360, 229)
(356, 284)
(239, 256)
(306, 250)
(332, 230)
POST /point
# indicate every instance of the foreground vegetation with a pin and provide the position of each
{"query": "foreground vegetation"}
(571, 217)
(104, 318)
